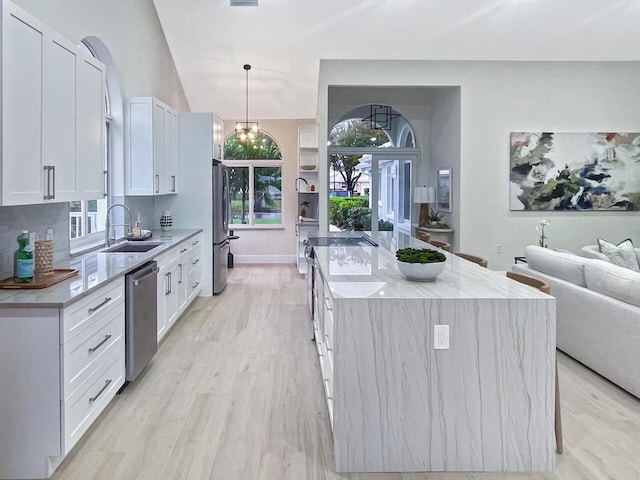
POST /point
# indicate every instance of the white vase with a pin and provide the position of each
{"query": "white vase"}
(166, 222)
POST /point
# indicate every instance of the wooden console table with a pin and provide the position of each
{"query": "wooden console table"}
(447, 232)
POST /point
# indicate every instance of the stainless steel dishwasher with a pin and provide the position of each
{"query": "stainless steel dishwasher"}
(141, 318)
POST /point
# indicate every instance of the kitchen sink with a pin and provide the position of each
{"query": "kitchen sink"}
(133, 247)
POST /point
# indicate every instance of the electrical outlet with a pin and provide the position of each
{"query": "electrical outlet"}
(498, 248)
(441, 337)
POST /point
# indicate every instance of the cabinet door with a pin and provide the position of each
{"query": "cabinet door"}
(160, 183)
(162, 289)
(59, 120)
(184, 255)
(22, 52)
(90, 143)
(171, 150)
(171, 297)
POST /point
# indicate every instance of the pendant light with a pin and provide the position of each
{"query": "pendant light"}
(246, 130)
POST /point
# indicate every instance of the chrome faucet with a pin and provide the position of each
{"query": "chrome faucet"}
(107, 226)
(298, 183)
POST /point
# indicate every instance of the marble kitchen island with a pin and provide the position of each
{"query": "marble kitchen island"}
(397, 404)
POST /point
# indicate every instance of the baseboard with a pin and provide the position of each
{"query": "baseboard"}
(263, 258)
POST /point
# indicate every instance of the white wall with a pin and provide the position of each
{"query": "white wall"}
(497, 98)
(257, 245)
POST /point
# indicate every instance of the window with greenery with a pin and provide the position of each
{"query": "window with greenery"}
(255, 180)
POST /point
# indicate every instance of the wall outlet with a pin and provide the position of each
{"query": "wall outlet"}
(441, 337)
(498, 248)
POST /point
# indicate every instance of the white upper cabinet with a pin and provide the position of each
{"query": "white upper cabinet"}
(90, 121)
(22, 54)
(52, 117)
(151, 147)
(59, 114)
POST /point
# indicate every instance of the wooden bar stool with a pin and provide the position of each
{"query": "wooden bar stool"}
(443, 245)
(424, 236)
(544, 287)
(473, 258)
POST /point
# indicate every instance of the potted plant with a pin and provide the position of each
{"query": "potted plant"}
(420, 264)
(304, 204)
(435, 216)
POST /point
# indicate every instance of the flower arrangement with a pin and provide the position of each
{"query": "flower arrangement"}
(540, 228)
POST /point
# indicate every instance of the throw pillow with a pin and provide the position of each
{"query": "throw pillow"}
(621, 254)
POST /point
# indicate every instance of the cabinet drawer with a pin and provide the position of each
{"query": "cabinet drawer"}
(84, 352)
(196, 240)
(84, 312)
(328, 333)
(86, 403)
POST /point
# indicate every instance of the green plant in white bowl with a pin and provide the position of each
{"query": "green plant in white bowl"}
(420, 264)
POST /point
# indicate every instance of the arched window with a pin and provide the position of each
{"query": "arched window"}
(255, 181)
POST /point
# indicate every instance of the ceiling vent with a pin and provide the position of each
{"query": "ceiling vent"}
(244, 3)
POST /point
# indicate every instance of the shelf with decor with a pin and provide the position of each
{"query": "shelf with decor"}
(307, 189)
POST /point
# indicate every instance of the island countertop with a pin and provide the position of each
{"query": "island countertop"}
(397, 402)
(369, 271)
(94, 269)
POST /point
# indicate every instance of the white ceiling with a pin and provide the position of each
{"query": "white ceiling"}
(283, 40)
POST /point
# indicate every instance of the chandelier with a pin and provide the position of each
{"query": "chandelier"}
(246, 130)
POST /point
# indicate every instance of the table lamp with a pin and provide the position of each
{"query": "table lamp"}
(424, 196)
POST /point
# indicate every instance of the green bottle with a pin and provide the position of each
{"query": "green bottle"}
(23, 268)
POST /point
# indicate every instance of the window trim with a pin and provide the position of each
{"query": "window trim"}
(251, 164)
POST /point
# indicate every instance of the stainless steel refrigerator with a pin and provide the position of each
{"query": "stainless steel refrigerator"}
(220, 228)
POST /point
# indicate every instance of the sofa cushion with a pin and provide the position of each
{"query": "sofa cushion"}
(613, 280)
(566, 266)
(621, 254)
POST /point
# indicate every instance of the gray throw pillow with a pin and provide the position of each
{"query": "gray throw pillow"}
(621, 254)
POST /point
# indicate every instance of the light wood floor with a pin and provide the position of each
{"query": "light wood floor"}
(234, 393)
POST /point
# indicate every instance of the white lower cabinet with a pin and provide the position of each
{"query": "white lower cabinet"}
(178, 281)
(324, 336)
(63, 367)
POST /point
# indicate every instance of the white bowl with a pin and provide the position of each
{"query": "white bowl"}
(421, 272)
(307, 167)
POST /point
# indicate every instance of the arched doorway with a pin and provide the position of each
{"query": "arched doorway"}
(373, 168)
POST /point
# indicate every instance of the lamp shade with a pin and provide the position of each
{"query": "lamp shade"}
(424, 195)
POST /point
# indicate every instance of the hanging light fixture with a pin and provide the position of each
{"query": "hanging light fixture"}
(246, 130)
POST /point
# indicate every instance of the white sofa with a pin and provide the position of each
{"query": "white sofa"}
(598, 312)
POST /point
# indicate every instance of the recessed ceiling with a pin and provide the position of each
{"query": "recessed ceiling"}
(284, 40)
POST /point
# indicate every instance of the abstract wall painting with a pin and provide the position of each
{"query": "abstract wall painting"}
(574, 171)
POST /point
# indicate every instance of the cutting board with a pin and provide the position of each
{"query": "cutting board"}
(40, 281)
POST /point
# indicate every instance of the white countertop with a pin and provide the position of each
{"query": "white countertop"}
(94, 269)
(371, 272)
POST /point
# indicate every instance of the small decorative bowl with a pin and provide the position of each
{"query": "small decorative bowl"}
(421, 272)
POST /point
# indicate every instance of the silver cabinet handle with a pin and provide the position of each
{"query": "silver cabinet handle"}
(106, 384)
(195, 261)
(106, 183)
(47, 194)
(180, 277)
(195, 285)
(53, 169)
(183, 250)
(157, 183)
(106, 338)
(102, 304)
(173, 183)
(167, 288)
(195, 243)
